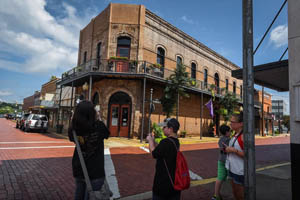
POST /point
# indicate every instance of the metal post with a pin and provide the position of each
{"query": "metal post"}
(262, 112)
(90, 88)
(143, 116)
(177, 106)
(201, 127)
(248, 103)
(150, 109)
(59, 105)
(71, 103)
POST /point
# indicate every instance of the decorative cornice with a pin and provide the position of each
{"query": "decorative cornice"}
(190, 39)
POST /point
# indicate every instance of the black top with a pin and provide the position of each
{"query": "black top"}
(92, 147)
(165, 150)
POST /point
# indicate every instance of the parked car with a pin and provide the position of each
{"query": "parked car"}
(20, 121)
(36, 122)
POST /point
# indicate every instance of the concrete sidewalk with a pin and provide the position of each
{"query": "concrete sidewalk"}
(273, 182)
(135, 142)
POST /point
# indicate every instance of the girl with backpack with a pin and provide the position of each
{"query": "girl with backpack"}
(235, 157)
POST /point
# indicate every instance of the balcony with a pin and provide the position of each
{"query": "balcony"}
(132, 67)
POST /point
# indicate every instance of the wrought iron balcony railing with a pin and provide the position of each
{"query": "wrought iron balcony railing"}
(133, 67)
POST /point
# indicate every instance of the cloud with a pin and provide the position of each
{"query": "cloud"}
(279, 36)
(35, 40)
(187, 20)
(5, 93)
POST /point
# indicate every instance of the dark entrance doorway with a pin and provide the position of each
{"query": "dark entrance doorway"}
(119, 114)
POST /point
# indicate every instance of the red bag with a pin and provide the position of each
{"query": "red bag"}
(182, 175)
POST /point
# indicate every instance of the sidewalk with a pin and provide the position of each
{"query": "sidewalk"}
(135, 142)
(273, 182)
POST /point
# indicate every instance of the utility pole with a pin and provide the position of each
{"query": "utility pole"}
(262, 112)
(248, 103)
(150, 110)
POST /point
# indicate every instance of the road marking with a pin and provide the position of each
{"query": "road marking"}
(111, 174)
(193, 175)
(272, 166)
(145, 149)
(211, 180)
(32, 142)
(45, 147)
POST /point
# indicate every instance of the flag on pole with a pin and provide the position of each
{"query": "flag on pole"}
(209, 105)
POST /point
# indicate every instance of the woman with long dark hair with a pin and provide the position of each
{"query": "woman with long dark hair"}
(90, 133)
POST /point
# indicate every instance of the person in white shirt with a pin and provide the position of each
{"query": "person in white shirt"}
(235, 157)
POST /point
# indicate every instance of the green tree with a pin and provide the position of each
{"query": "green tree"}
(228, 104)
(286, 121)
(175, 88)
(53, 78)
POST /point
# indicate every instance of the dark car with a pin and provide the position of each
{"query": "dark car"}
(20, 121)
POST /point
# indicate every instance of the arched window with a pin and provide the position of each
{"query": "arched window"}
(234, 88)
(226, 82)
(205, 78)
(178, 61)
(123, 47)
(160, 59)
(193, 70)
(84, 56)
(98, 56)
(217, 81)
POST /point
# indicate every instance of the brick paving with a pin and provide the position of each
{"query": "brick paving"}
(45, 173)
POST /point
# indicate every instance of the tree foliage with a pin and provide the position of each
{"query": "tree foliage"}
(228, 104)
(175, 86)
(286, 121)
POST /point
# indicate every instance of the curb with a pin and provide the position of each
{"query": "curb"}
(148, 195)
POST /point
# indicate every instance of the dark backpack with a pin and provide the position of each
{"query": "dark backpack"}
(182, 175)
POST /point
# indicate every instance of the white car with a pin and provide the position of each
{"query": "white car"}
(36, 122)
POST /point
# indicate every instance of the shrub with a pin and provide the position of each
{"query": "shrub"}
(158, 133)
(182, 134)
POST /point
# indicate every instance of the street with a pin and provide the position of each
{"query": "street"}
(38, 166)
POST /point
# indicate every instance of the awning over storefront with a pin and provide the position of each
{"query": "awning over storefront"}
(273, 75)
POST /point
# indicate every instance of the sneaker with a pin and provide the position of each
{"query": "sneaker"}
(216, 198)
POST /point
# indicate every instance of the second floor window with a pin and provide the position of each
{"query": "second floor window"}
(193, 71)
(205, 77)
(217, 82)
(84, 57)
(98, 53)
(178, 61)
(123, 47)
(160, 59)
(226, 87)
(234, 88)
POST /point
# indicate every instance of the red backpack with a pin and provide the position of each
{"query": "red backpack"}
(182, 175)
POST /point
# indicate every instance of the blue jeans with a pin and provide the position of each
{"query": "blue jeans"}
(81, 191)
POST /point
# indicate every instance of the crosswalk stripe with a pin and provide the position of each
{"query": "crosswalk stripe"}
(42, 147)
(111, 175)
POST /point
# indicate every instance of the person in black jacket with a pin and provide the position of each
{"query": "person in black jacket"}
(165, 154)
(90, 133)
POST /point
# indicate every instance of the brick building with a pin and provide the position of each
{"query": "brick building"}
(125, 51)
(266, 105)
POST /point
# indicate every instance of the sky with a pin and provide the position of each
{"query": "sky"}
(39, 38)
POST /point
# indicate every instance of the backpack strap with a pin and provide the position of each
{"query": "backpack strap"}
(238, 138)
(166, 163)
(241, 143)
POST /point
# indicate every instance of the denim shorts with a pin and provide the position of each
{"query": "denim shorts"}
(237, 179)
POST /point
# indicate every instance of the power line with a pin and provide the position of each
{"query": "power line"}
(269, 27)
